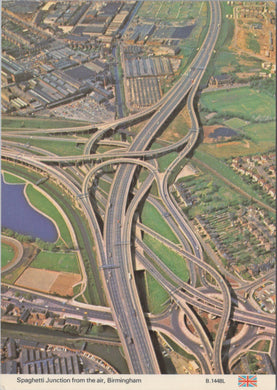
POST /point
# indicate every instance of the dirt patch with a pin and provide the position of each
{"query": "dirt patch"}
(245, 25)
(207, 130)
(183, 365)
(244, 144)
(37, 279)
(188, 170)
(64, 282)
(178, 128)
(48, 281)
(228, 69)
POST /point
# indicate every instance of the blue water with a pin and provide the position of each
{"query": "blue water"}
(18, 215)
(223, 132)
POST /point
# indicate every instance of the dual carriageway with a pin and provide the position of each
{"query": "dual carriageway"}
(115, 239)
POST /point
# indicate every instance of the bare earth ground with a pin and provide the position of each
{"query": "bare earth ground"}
(64, 282)
(37, 279)
(48, 281)
(188, 170)
(262, 37)
(181, 364)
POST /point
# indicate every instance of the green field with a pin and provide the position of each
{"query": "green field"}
(57, 147)
(166, 160)
(156, 295)
(152, 218)
(42, 203)
(252, 43)
(9, 123)
(7, 254)
(172, 260)
(241, 148)
(169, 11)
(104, 185)
(57, 261)
(235, 123)
(261, 133)
(77, 289)
(12, 179)
(244, 103)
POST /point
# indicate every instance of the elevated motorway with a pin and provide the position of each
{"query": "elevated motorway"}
(119, 289)
(115, 214)
(115, 239)
(118, 197)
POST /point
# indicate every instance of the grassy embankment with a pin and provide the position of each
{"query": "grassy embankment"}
(7, 254)
(13, 123)
(11, 179)
(91, 293)
(38, 200)
(53, 146)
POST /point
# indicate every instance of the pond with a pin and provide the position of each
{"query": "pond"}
(18, 215)
(223, 132)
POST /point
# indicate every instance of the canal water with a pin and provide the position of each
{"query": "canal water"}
(18, 215)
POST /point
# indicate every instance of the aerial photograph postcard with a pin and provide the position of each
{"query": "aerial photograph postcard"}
(138, 194)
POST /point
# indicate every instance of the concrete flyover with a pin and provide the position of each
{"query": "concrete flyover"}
(115, 239)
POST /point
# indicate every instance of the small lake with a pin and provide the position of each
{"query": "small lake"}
(18, 215)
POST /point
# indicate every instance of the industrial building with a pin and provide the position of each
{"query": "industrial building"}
(34, 361)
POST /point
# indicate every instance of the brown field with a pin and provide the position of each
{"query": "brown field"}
(37, 279)
(178, 128)
(48, 281)
(244, 144)
(64, 282)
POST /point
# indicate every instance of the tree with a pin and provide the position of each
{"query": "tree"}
(29, 296)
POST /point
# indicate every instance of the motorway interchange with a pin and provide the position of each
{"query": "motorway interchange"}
(117, 233)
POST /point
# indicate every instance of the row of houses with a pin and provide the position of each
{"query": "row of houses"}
(36, 317)
(248, 169)
(265, 240)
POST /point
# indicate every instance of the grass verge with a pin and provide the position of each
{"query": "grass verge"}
(9, 123)
(156, 295)
(153, 219)
(11, 179)
(7, 254)
(172, 260)
(38, 200)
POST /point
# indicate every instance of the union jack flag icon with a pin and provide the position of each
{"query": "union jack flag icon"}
(247, 381)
